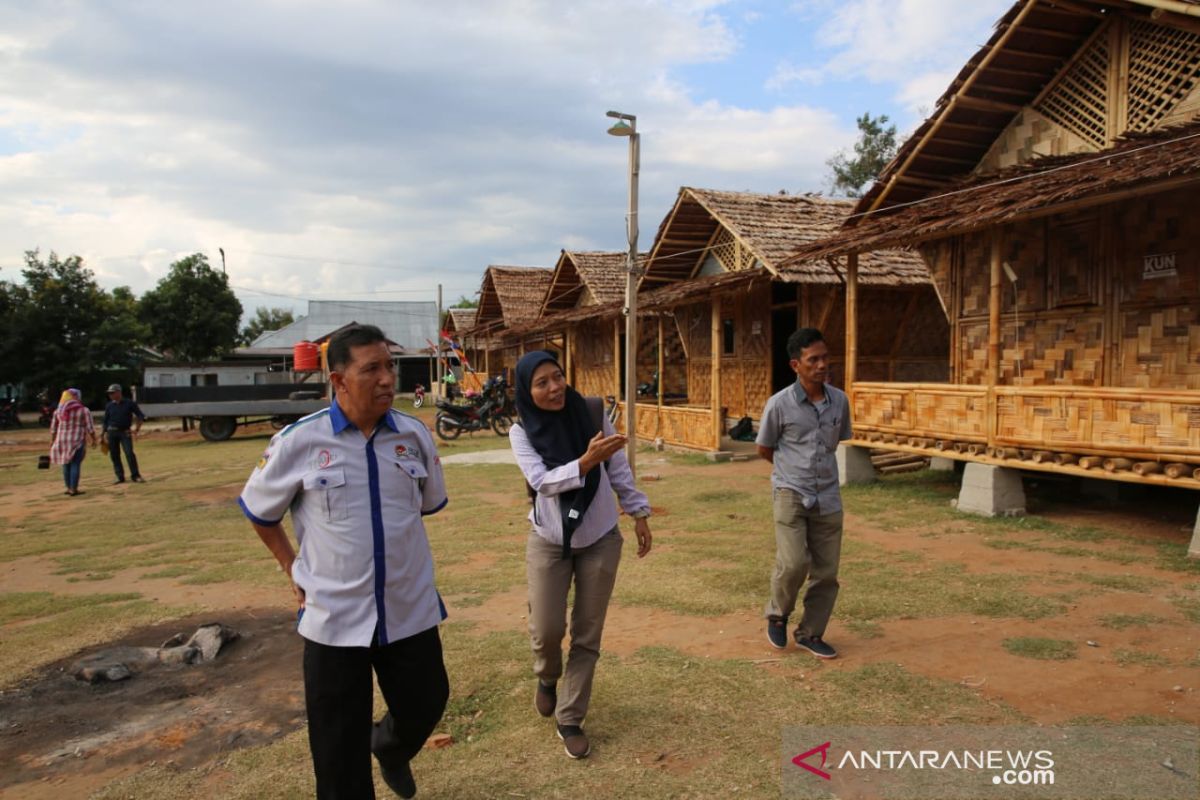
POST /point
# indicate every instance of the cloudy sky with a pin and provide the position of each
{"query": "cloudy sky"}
(375, 148)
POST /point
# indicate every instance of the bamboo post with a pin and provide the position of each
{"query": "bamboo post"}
(661, 339)
(994, 287)
(487, 357)
(567, 359)
(1175, 470)
(717, 422)
(617, 358)
(1091, 462)
(1117, 464)
(852, 324)
(1147, 468)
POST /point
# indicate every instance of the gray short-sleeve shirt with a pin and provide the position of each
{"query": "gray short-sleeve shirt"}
(805, 438)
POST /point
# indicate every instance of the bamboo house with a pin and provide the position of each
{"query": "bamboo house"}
(1053, 195)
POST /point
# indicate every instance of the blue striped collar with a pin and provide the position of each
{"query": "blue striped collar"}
(339, 421)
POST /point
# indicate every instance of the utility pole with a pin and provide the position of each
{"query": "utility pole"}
(438, 338)
(626, 125)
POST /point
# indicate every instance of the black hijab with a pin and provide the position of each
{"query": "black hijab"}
(559, 437)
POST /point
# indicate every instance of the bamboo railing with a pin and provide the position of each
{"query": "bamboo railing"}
(1138, 435)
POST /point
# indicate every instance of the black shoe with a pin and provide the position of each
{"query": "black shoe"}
(545, 699)
(575, 741)
(399, 780)
(777, 632)
(815, 645)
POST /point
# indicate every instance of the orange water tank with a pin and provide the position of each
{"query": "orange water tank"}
(306, 357)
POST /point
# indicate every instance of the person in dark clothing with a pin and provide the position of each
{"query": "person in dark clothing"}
(120, 426)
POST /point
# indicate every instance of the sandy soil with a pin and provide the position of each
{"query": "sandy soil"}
(61, 738)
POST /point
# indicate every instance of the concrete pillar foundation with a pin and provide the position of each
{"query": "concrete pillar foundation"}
(939, 464)
(991, 491)
(854, 465)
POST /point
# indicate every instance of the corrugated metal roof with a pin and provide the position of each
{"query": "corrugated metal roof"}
(408, 324)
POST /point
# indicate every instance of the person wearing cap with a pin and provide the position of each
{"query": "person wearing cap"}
(120, 426)
(358, 479)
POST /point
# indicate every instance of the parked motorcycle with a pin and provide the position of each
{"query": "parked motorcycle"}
(419, 395)
(47, 414)
(8, 414)
(485, 411)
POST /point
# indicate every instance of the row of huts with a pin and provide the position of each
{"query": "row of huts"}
(1020, 287)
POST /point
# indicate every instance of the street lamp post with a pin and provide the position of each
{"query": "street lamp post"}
(626, 125)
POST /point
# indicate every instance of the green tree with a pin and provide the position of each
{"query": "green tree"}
(192, 313)
(55, 328)
(876, 146)
(465, 302)
(265, 319)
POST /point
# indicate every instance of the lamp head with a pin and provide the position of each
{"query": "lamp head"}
(621, 128)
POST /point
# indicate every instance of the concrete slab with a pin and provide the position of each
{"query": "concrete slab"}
(939, 464)
(991, 491)
(1194, 547)
(854, 465)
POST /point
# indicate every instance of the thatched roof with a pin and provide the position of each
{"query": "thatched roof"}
(459, 319)
(511, 295)
(768, 228)
(1138, 163)
(595, 275)
(1030, 45)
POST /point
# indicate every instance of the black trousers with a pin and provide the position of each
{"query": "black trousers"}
(339, 695)
(118, 441)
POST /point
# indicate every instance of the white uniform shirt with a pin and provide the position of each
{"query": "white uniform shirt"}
(601, 515)
(356, 501)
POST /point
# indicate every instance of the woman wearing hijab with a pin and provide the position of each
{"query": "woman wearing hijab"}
(70, 427)
(573, 462)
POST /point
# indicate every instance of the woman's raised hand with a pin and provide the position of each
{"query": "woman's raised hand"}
(601, 448)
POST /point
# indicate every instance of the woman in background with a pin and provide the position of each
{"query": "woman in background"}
(70, 429)
(573, 462)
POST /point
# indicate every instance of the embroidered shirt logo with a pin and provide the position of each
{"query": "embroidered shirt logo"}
(324, 459)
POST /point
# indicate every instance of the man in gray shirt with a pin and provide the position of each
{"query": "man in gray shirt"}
(799, 434)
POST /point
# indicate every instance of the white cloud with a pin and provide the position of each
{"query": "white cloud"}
(381, 145)
(916, 45)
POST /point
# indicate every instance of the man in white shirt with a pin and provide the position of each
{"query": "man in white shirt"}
(358, 477)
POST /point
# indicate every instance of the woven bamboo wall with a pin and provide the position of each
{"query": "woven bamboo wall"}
(682, 426)
(1160, 348)
(695, 324)
(938, 412)
(1030, 135)
(1143, 425)
(1165, 223)
(1059, 348)
(592, 358)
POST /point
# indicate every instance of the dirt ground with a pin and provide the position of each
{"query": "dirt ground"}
(63, 738)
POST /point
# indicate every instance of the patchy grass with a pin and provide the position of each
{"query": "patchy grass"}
(1041, 649)
(1139, 658)
(1120, 583)
(1120, 622)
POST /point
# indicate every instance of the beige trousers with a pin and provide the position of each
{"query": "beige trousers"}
(594, 569)
(808, 546)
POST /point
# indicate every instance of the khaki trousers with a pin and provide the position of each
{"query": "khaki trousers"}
(594, 569)
(808, 545)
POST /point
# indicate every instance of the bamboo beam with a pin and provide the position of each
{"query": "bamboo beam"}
(950, 106)
(984, 104)
(568, 357)
(994, 288)
(1117, 113)
(717, 422)
(661, 377)
(851, 323)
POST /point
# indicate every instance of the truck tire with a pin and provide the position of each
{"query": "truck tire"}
(217, 429)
